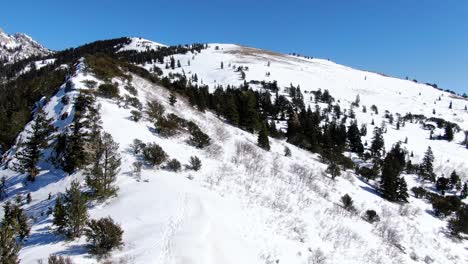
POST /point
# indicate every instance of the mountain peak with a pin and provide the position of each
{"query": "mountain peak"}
(19, 46)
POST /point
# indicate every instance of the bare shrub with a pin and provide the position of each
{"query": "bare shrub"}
(388, 232)
(214, 151)
(221, 133)
(317, 257)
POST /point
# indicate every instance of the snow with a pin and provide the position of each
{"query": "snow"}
(247, 205)
(141, 44)
(19, 46)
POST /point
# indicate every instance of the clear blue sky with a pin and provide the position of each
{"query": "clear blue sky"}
(426, 40)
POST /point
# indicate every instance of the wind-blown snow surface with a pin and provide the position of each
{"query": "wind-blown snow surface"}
(247, 205)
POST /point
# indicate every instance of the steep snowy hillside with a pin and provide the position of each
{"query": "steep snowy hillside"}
(19, 46)
(245, 204)
(344, 84)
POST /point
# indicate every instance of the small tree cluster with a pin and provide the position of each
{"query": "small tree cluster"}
(154, 155)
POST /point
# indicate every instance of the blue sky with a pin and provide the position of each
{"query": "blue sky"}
(426, 40)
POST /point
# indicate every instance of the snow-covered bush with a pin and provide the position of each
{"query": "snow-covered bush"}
(173, 165)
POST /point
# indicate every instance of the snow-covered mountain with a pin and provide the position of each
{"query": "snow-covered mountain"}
(246, 204)
(19, 46)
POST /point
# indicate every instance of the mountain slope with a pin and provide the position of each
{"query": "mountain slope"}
(247, 205)
(19, 46)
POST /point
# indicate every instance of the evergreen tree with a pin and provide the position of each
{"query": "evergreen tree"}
(454, 179)
(459, 223)
(377, 144)
(426, 170)
(172, 98)
(9, 246)
(37, 141)
(15, 218)
(393, 186)
(448, 132)
(222, 65)
(334, 170)
(59, 213)
(262, 139)
(172, 63)
(102, 175)
(354, 138)
(104, 235)
(76, 211)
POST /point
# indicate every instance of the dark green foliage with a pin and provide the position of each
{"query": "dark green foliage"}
(154, 110)
(449, 132)
(334, 170)
(135, 115)
(393, 186)
(442, 184)
(35, 143)
(173, 165)
(137, 146)
(9, 246)
(132, 101)
(167, 126)
(172, 98)
(71, 212)
(455, 180)
(459, 223)
(371, 216)
(104, 235)
(262, 139)
(18, 97)
(59, 214)
(419, 192)
(426, 170)
(377, 144)
(197, 138)
(354, 138)
(104, 67)
(444, 206)
(108, 90)
(28, 198)
(2, 188)
(287, 151)
(131, 90)
(154, 155)
(72, 148)
(347, 202)
(16, 219)
(195, 163)
(368, 173)
(101, 176)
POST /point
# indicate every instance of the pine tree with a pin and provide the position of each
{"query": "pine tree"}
(59, 215)
(354, 138)
(222, 65)
(454, 179)
(172, 98)
(450, 105)
(102, 174)
(393, 186)
(76, 211)
(104, 235)
(9, 246)
(426, 167)
(334, 170)
(172, 63)
(15, 218)
(377, 144)
(262, 139)
(448, 132)
(37, 141)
